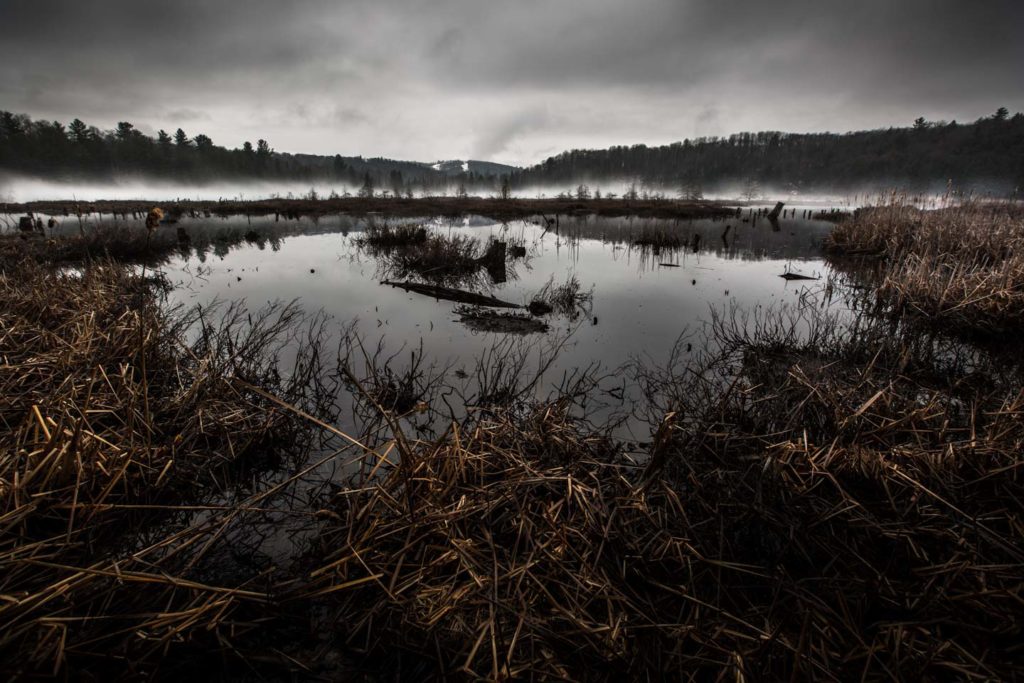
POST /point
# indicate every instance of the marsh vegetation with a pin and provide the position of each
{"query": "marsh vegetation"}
(801, 487)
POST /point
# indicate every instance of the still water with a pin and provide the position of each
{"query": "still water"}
(642, 298)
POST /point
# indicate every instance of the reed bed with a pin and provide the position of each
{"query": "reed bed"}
(871, 474)
(124, 244)
(113, 407)
(659, 237)
(814, 504)
(503, 209)
(119, 243)
(411, 250)
(960, 267)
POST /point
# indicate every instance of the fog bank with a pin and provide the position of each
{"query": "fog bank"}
(17, 189)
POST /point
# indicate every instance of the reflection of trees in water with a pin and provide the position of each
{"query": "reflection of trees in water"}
(655, 241)
(451, 260)
(736, 237)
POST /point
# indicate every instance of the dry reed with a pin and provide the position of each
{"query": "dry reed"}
(816, 503)
(959, 267)
(106, 411)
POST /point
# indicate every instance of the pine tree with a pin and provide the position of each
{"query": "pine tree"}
(78, 131)
(366, 191)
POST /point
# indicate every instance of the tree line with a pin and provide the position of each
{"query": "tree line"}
(79, 151)
(986, 154)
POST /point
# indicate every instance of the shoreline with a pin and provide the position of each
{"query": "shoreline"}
(425, 206)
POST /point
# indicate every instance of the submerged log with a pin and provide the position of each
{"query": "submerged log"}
(451, 294)
(797, 276)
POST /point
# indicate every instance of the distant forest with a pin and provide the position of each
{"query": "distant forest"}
(987, 154)
(79, 151)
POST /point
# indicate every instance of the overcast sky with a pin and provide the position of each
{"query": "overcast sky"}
(514, 81)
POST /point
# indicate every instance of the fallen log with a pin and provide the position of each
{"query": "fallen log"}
(451, 294)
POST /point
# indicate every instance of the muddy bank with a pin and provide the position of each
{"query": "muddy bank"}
(425, 206)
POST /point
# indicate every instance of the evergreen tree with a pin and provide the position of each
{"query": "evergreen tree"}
(366, 191)
(78, 131)
(125, 131)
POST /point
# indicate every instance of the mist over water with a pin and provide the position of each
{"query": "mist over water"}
(17, 189)
(23, 189)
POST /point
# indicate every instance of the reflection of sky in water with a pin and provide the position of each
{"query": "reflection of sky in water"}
(640, 307)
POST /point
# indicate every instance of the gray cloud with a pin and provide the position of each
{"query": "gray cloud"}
(453, 78)
(497, 137)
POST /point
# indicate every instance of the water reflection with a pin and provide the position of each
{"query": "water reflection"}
(640, 298)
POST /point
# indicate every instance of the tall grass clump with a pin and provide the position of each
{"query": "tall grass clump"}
(567, 299)
(413, 251)
(960, 267)
(112, 404)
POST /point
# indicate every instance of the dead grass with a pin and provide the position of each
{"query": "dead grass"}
(387, 236)
(107, 411)
(824, 496)
(409, 250)
(814, 502)
(960, 267)
(567, 299)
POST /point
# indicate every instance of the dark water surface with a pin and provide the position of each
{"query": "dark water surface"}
(642, 298)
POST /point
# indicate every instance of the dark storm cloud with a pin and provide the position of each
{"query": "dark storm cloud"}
(459, 78)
